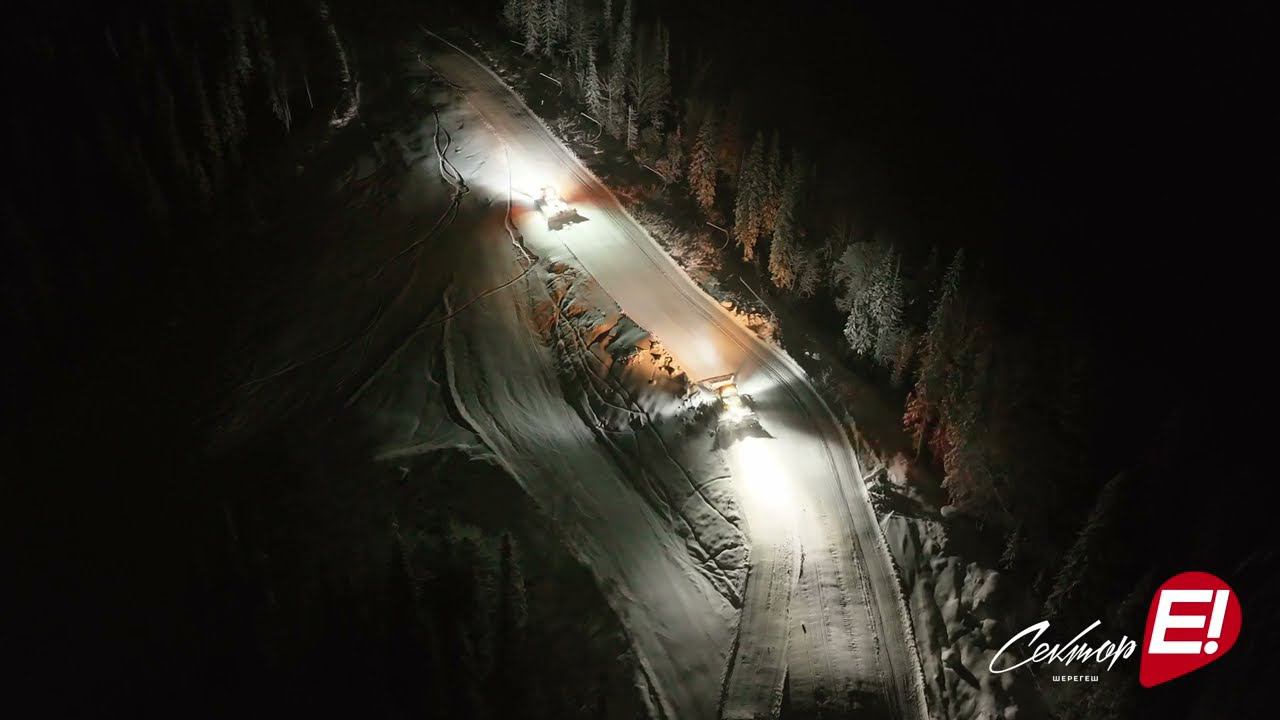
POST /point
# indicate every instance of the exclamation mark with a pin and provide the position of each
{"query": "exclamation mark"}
(1215, 621)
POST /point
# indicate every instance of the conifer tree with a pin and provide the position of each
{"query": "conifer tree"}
(874, 327)
(532, 26)
(623, 41)
(771, 194)
(662, 58)
(672, 163)
(594, 91)
(702, 165)
(582, 39)
(747, 209)
(784, 253)
(649, 86)
(615, 95)
(562, 22)
(620, 49)
(888, 309)
(809, 274)
(940, 336)
(854, 271)
(549, 26)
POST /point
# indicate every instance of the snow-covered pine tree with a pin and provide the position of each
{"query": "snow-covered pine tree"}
(875, 326)
(702, 165)
(854, 270)
(594, 92)
(747, 217)
(562, 22)
(809, 274)
(859, 329)
(784, 253)
(548, 26)
(532, 25)
(871, 269)
(615, 96)
(771, 192)
(900, 370)
(970, 461)
(672, 163)
(624, 40)
(888, 306)
(632, 129)
(648, 84)
(935, 352)
(619, 64)
(621, 44)
(583, 36)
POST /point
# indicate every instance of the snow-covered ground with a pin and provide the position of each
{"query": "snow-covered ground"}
(964, 611)
(451, 318)
(832, 619)
(445, 332)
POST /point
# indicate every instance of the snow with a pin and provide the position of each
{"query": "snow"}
(568, 358)
(438, 335)
(963, 614)
(857, 654)
(565, 404)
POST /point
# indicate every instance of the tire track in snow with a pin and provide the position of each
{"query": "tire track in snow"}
(723, 584)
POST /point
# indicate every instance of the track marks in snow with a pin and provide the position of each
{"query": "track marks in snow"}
(594, 377)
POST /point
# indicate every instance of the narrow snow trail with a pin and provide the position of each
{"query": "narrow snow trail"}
(822, 601)
(754, 687)
(504, 384)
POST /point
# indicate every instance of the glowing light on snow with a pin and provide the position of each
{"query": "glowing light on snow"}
(764, 485)
(531, 179)
(734, 409)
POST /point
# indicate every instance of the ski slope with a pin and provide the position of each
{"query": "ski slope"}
(822, 607)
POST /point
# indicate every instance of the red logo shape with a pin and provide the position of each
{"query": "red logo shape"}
(1194, 619)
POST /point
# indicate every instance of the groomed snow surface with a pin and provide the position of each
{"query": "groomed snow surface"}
(567, 358)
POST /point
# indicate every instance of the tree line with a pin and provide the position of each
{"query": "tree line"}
(1003, 414)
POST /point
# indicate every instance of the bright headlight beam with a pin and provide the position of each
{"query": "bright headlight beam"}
(764, 487)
